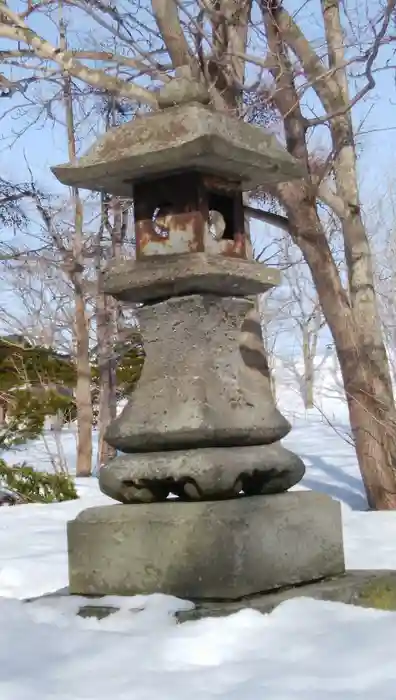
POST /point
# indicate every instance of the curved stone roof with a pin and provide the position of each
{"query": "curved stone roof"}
(187, 136)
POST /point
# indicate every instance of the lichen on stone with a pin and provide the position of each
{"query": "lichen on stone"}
(379, 594)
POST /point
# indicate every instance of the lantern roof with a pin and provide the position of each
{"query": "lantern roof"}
(182, 135)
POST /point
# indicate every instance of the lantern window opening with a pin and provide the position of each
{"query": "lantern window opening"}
(225, 206)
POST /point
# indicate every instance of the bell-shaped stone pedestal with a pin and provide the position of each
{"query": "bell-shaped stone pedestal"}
(202, 422)
(205, 380)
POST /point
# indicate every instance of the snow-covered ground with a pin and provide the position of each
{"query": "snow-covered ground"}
(304, 650)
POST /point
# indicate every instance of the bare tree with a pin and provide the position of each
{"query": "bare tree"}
(70, 255)
(224, 44)
(292, 318)
(381, 223)
(109, 320)
(41, 300)
(69, 251)
(306, 322)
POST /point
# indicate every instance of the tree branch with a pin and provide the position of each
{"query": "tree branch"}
(16, 255)
(17, 30)
(325, 86)
(332, 200)
(267, 217)
(105, 56)
(168, 22)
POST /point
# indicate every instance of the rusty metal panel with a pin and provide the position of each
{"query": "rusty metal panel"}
(233, 248)
(171, 234)
(184, 233)
(189, 213)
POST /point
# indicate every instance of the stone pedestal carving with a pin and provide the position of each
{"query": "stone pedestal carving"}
(202, 422)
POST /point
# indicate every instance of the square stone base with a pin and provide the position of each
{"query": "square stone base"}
(206, 550)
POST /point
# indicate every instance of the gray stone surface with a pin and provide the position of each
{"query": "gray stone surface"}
(195, 273)
(206, 550)
(367, 589)
(182, 90)
(167, 141)
(205, 380)
(209, 473)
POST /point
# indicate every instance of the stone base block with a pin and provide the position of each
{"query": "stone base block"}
(206, 550)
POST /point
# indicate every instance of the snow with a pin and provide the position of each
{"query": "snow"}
(33, 543)
(303, 650)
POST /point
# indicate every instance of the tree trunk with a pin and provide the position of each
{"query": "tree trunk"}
(83, 389)
(373, 422)
(108, 318)
(375, 441)
(107, 409)
(356, 243)
(309, 370)
(83, 367)
(365, 377)
(104, 337)
(310, 334)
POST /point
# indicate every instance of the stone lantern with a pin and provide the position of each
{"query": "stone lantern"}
(203, 477)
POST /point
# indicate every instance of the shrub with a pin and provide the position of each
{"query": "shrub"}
(37, 487)
(35, 382)
(27, 413)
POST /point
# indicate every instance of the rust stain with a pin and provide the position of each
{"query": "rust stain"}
(173, 215)
(234, 248)
(186, 235)
(227, 247)
(186, 232)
